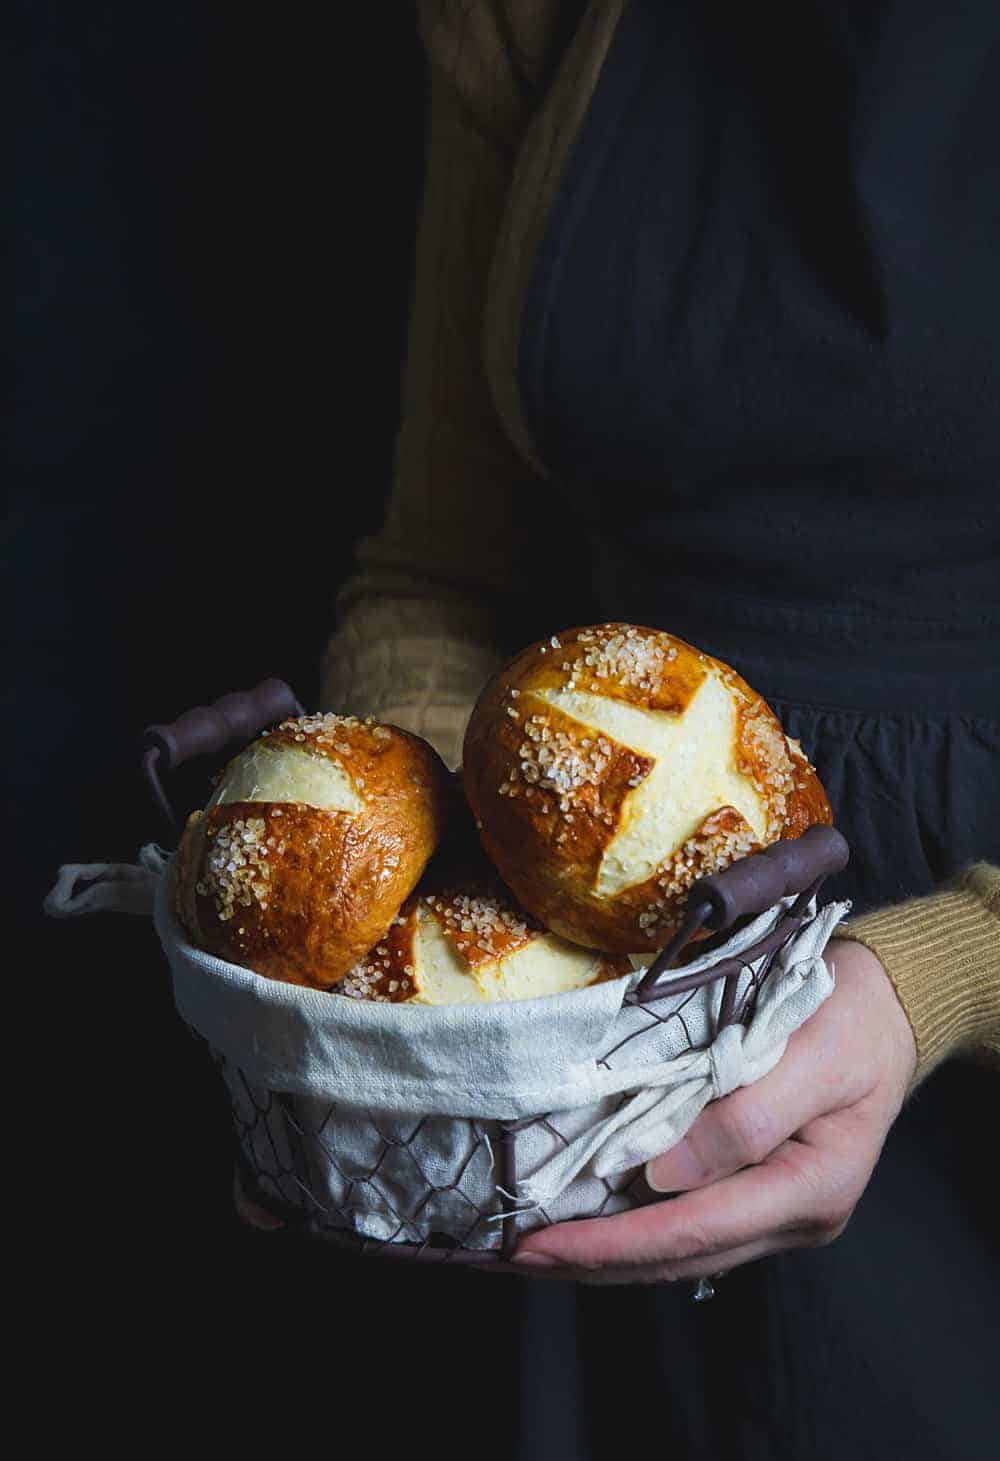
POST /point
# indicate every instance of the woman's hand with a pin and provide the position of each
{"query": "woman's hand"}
(250, 1212)
(779, 1164)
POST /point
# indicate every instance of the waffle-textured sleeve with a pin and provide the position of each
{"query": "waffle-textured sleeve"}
(942, 953)
(428, 613)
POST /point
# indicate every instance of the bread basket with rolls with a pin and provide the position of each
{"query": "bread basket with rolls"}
(449, 1008)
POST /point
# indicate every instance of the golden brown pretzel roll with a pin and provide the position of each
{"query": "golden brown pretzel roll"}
(470, 944)
(609, 767)
(313, 838)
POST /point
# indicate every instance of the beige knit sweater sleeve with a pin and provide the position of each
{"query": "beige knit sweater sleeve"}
(427, 615)
(425, 618)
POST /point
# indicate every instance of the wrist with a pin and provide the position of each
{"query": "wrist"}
(940, 955)
(857, 966)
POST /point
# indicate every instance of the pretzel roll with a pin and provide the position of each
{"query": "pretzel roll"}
(313, 838)
(609, 767)
(470, 944)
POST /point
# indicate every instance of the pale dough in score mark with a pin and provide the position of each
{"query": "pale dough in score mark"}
(287, 776)
(694, 774)
(542, 966)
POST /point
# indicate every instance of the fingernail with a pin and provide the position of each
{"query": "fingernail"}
(535, 1260)
(657, 1184)
(674, 1172)
(661, 1191)
(256, 1217)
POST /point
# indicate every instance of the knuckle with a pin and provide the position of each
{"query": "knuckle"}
(840, 1197)
(825, 1233)
(816, 1185)
(664, 1276)
(830, 1215)
(828, 1197)
(838, 1216)
(662, 1273)
(690, 1241)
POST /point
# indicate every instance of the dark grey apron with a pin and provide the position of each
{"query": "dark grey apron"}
(760, 356)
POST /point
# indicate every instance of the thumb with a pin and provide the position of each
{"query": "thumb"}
(747, 1126)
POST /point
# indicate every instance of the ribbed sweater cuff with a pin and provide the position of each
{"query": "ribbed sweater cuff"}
(942, 954)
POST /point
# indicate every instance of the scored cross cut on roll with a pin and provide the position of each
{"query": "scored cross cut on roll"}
(313, 838)
(611, 766)
(472, 944)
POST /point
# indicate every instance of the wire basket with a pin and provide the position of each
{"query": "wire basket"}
(362, 1179)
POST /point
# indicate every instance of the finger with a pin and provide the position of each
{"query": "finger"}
(787, 1191)
(748, 1125)
(708, 1265)
(250, 1212)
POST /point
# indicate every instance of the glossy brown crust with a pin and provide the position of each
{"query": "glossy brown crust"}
(385, 974)
(300, 894)
(808, 804)
(547, 833)
(506, 934)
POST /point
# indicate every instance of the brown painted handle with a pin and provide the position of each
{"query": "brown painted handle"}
(208, 729)
(793, 866)
(755, 883)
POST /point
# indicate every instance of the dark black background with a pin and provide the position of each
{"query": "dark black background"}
(213, 226)
(213, 219)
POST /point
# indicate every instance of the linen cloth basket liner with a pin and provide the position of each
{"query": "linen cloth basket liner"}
(618, 1083)
(381, 1118)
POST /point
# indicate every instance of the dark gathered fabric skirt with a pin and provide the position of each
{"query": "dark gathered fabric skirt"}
(886, 1342)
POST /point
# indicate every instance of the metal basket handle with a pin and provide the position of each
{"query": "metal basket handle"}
(208, 729)
(749, 886)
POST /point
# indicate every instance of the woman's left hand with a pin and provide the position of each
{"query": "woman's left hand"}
(779, 1164)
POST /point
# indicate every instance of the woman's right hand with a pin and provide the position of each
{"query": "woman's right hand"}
(250, 1212)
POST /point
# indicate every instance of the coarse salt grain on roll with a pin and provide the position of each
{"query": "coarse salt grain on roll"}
(313, 838)
(611, 766)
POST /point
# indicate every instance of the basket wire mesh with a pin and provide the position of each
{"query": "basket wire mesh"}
(289, 1163)
(287, 1155)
